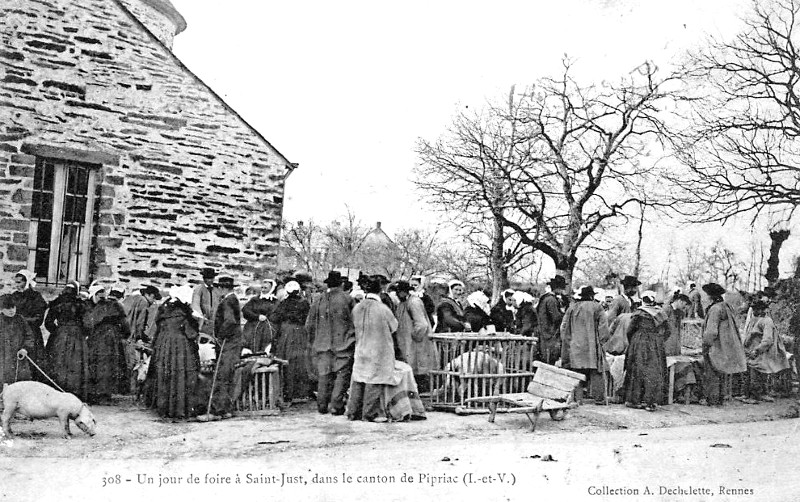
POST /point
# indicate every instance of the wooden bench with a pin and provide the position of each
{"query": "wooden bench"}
(552, 390)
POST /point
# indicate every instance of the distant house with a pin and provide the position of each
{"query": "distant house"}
(378, 238)
(117, 162)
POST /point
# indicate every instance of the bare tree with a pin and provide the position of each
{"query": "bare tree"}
(463, 174)
(303, 247)
(741, 148)
(344, 241)
(588, 162)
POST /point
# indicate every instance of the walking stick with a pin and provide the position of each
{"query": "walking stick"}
(207, 416)
(602, 354)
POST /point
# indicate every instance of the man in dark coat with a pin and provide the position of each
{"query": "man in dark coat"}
(330, 328)
(502, 313)
(228, 332)
(624, 303)
(549, 313)
(205, 298)
(584, 330)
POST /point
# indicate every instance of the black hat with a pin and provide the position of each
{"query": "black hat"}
(382, 279)
(226, 282)
(713, 289)
(149, 289)
(558, 282)
(334, 279)
(372, 285)
(403, 287)
(208, 273)
(630, 280)
(7, 302)
(587, 293)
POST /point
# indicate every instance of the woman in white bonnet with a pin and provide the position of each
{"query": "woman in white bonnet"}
(477, 311)
(171, 382)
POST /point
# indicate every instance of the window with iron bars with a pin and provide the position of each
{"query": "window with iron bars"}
(62, 220)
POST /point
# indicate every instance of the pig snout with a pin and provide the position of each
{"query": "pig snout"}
(85, 421)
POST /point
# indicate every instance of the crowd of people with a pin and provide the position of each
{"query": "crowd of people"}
(364, 349)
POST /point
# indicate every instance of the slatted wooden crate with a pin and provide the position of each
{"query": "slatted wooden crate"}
(262, 394)
(471, 365)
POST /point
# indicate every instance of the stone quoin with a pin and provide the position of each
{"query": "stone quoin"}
(117, 163)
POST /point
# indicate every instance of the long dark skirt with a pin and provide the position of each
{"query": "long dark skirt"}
(172, 376)
(68, 355)
(294, 346)
(106, 362)
(645, 369)
(225, 385)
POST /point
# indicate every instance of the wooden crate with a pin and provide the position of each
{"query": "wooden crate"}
(691, 336)
(262, 394)
(471, 365)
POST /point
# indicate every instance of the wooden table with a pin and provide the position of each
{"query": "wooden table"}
(671, 360)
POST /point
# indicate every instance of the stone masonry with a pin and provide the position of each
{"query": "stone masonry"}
(185, 182)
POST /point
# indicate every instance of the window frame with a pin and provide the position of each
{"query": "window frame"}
(82, 255)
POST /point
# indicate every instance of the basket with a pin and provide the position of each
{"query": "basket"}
(471, 365)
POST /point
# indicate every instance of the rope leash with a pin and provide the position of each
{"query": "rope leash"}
(25, 356)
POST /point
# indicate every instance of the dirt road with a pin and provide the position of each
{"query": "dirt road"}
(599, 453)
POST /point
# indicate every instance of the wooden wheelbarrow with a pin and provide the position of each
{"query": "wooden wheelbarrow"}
(552, 390)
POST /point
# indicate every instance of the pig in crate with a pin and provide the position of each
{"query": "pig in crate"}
(36, 400)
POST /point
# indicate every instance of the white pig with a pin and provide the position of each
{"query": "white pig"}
(37, 400)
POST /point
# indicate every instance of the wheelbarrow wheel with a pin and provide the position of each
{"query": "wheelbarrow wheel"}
(557, 415)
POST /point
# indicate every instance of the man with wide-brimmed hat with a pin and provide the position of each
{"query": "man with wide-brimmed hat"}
(583, 333)
(228, 333)
(623, 303)
(723, 351)
(205, 298)
(332, 335)
(549, 313)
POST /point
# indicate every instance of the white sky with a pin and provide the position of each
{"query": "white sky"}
(345, 88)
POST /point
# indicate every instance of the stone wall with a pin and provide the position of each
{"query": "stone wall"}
(159, 16)
(185, 182)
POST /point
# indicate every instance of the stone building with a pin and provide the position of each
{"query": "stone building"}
(117, 163)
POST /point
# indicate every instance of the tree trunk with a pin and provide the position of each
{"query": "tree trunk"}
(639, 245)
(778, 237)
(565, 266)
(497, 262)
